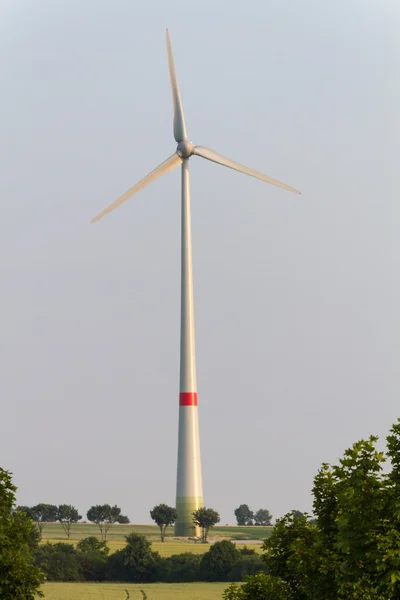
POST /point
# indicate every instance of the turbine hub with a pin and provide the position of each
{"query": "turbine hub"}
(185, 149)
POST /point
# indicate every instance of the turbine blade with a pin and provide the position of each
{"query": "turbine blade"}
(179, 119)
(225, 162)
(171, 163)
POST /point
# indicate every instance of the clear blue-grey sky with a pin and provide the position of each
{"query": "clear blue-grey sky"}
(296, 297)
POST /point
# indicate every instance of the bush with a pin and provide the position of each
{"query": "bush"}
(182, 568)
(218, 562)
(59, 562)
(135, 563)
(248, 564)
(93, 557)
(259, 587)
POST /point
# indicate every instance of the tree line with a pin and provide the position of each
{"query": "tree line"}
(103, 515)
(138, 563)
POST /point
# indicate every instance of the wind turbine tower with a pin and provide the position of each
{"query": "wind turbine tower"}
(189, 490)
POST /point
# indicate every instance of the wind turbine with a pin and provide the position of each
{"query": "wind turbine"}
(189, 493)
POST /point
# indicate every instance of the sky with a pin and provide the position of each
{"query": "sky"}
(296, 297)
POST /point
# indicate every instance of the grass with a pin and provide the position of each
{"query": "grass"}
(53, 532)
(116, 591)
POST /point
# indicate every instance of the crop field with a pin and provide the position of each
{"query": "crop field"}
(53, 532)
(116, 591)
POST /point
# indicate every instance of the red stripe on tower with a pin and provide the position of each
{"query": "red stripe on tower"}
(188, 399)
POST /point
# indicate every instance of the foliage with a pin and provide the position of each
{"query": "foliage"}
(66, 515)
(217, 564)
(105, 516)
(164, 516)
(20, 579)
(41, 514)
(136, 562)
(298, 513)
(205, 518)
(351, 549)
(93, 557)
(259, 587)
(180, 568)
(60, 562)
(262, 517)
(244, 516)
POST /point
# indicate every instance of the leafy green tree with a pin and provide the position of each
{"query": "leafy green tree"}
(105, 516)
(136, 562)
(218, 563)
(123, 520)
(42, 514)
(205, 518)
(26, 510)
(93, 556)
(244, 516)
(60, 562)
(350, 550)
(164, 516)
(181, 568)
(262, 517)
(66, 515)
(260, 587)
(295, 553)
(20, 579)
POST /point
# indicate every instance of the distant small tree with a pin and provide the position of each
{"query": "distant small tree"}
(205, 518)
(298, 514)
(105, 516)
(123, 520)
(262, 517)
(244, 516)
(66, 515)
(164, 516)
(42, 514)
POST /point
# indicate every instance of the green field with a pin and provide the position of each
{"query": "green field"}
(53, 532)
(116, 591)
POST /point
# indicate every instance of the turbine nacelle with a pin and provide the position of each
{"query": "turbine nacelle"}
(185, 149)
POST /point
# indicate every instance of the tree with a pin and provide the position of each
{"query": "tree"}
(135, 562)
(105, 516)
(263, 517)
(205, 518)
(259, 587)
(20, 579)
(60, 562)
(123, 520)
(298, 514)
(180, 568)
(66, 515)
(244, 516)
(164, 516)
(93, 556)
(350, 550)
(217, 564)
(42, 514)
